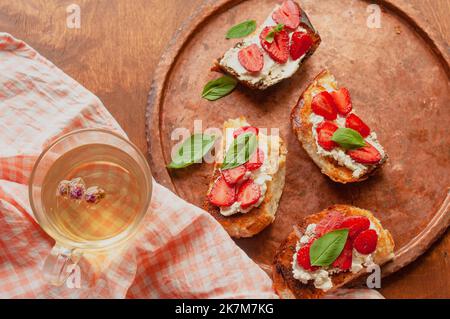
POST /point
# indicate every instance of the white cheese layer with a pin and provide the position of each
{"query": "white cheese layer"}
(321, 276)
(338, 153)
(272, 71)
(270, 146)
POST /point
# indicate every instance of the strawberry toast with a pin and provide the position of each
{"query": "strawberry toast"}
(276, 51)
(244, 198)
(338, 141)
(307, 266)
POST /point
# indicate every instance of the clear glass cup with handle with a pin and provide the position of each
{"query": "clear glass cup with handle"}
(89, 190)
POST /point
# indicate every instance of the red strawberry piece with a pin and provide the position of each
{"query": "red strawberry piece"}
(251, 58)
(366, 242)
(365, 155)
(234, 175)
(342, 101)
(354, 122)
(300, 44)
(355, 225)
(323, 105)
(325, 131)
(288, 14)
(303, 258)
(278, 49)
(245, 129)
(331, 222)
(256, 160)
(249, 193)
(222, 194)
(344, 261)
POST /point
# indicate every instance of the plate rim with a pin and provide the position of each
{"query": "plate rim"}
(440, 220)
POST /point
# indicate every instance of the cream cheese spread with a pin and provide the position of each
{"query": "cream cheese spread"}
(338, 153)
(321, 277)
(260, 176)
(272, 71)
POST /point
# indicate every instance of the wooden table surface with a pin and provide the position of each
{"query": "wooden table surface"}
(115, 52)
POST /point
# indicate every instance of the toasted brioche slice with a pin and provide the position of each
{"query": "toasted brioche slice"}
(284, 283)
(250, 223)
(303, 128)
(272, 72)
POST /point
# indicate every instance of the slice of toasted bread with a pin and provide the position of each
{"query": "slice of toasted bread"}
(229, 63)
(284, 283)
(303, 128)
(250, 223)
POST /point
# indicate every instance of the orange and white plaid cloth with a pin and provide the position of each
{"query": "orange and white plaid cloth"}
(180, 252)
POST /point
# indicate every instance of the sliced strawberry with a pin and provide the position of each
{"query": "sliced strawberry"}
(249, 193)
(245, 129)
(365, 155)
(300, 44)
(256, 160)
(331, 222)
(344, 261)
(234, 175)
(342, 101)
(366, 242)
(354, 122)
(222, 194)
(251, 58)
(278, 49)
(325, 131)
(303, 258)
(288, 14)
(355, 225)
(323, 105)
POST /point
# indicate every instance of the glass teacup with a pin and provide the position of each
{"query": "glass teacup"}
(89, 190)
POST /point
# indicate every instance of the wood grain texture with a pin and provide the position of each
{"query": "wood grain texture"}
(116, 51)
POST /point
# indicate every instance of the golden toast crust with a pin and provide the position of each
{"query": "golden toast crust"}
(261, 85)
(287, 287)
(246, 225)
(302, 128)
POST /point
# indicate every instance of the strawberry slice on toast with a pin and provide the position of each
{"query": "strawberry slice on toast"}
(325, 121)
(368, 243)
(244, 199)
(275, 51)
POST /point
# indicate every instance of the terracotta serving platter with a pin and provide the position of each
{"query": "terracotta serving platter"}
(399, 79)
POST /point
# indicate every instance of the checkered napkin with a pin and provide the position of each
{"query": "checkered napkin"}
(180, 251)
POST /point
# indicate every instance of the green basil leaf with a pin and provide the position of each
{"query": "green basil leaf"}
(271, 35)
(348, 138)
(240, 150)
(326, 249)
(241, 30)
(218, 88)
(192, 150)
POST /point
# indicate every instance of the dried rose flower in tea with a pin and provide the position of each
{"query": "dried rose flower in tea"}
(77, 188)
(94, 194)
(63, 188)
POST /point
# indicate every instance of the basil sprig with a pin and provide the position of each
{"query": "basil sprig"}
(192, 150)
(240, 150)
(271, 35)
(326, 249)
(218, 88)
(241, 30)
(348, 138)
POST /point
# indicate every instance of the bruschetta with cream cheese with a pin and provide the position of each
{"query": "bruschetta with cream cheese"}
(307, 266)
(244, 198)
(275, 51)
(344, 147)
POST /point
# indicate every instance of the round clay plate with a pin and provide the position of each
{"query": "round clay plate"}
(398, 76)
